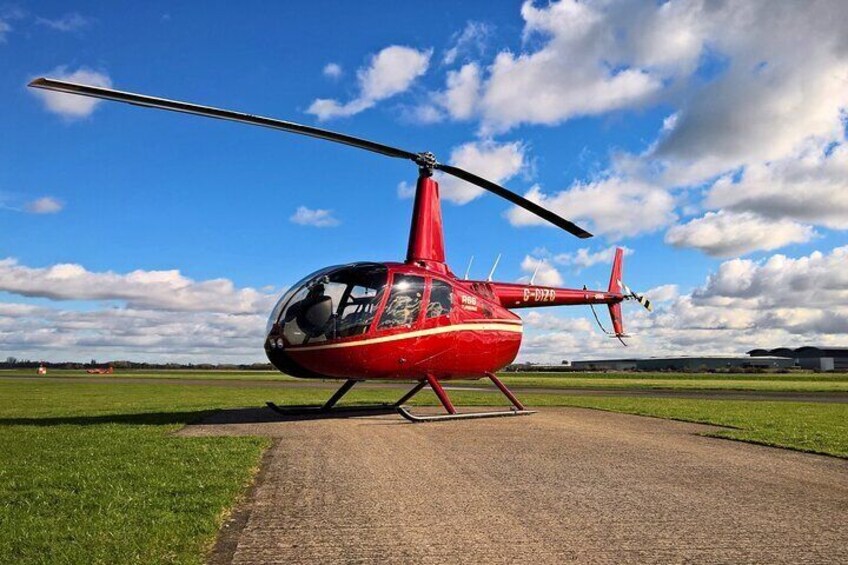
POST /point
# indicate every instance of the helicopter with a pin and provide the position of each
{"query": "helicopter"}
(399, 321)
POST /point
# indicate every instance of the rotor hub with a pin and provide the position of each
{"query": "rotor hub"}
(426, 162)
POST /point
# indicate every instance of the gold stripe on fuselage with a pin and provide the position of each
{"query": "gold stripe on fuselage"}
(499, 327)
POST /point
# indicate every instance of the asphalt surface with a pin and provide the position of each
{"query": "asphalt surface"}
(562, 486)
(330, 386)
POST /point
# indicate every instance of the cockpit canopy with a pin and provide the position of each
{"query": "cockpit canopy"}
(332, 303)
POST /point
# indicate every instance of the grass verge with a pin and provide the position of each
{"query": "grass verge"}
(90, 474)
(786, 382)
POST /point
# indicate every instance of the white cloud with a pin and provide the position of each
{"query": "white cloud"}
(812, 187)
(470, 41)
(497, 162)
(390, 72)
(5, 28)
(546, 274)
(56, 334)
(786, 67)
(405, 189)
(663, 293)
(580, 70)
(149, 290)
(613, 206)
(44, 205)
(141, 315)
(815, 281)
(584, 257)
(332, 70)
(318, 218)
(69, 22)
(759, 98)
(71, 106)
(461, 93)
(726, 234)
(459, 99)
(424, 114)
(547, 321)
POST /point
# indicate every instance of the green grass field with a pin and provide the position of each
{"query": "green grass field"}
(787, 382)
(91, 473)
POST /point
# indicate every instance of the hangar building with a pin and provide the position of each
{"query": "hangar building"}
(683, 364)
(816, 358)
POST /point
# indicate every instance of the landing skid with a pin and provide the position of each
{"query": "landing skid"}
(517, 408)
(329, 408)
(404, 411)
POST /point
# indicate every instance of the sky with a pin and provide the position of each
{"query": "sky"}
(707, 138)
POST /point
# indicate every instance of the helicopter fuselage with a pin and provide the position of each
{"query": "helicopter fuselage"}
(402, 321)
(391, 321)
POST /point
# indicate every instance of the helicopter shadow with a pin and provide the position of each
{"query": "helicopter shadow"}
(197, 418)
(266, 415)
(137, 419)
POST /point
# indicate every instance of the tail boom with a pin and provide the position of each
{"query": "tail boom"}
(514, 295)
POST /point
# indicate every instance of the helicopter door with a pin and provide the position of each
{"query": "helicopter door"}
(439, 304)
(403, 308)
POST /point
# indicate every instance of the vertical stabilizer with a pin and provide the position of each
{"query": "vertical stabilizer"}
(615, 288)
(615, 276)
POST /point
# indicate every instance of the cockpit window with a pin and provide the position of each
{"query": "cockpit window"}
(286, 297)
(332, 304)
(357, 310)
(441, 298)
(404, 302)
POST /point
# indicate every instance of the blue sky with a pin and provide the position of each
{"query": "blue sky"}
(674, 130)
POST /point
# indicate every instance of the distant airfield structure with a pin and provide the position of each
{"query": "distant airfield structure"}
(816, 358)
(809, 357)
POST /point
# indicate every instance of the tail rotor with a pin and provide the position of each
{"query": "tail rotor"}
(640, 298)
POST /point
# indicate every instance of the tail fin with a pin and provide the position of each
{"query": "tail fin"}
(615, 288)
(615, 277)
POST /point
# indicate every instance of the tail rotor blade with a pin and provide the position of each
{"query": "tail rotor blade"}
(520, 201)
(640, 298)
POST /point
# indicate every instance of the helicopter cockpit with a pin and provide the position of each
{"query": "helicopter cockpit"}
(333, 303)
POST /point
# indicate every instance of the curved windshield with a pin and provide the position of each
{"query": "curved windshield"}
(278, 307)
(332, 304)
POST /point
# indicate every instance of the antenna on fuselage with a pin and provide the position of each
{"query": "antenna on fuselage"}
(536, 270)
(495, 266)
(468, 270)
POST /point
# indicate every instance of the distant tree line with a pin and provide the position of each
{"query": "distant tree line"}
(14, 363)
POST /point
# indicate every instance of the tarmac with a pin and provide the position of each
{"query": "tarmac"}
(566, 485)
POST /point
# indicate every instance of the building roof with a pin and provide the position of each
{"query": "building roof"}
(799, 352)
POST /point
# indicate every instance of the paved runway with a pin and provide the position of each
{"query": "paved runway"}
(563, 486)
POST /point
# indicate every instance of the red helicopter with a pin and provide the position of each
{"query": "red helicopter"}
(414, 320)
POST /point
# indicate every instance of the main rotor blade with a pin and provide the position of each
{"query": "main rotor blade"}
(218, 113)
(425, 160)
(515, 199)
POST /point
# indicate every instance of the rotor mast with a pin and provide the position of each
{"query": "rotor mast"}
(426, 235)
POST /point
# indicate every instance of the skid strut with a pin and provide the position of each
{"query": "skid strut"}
(329, 407)
(517, 410)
